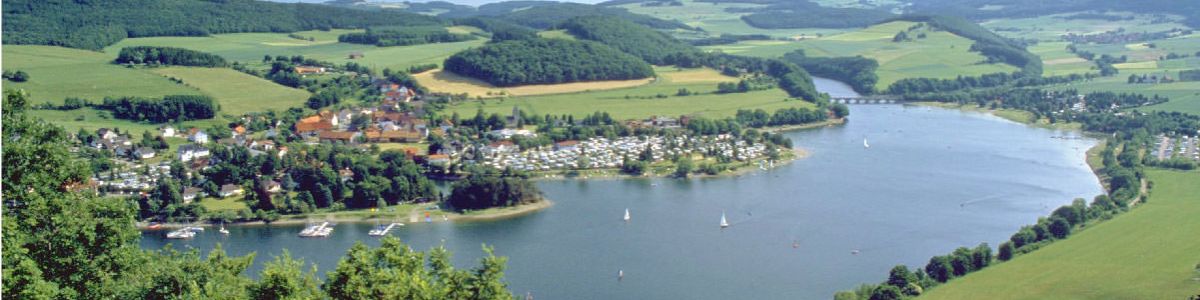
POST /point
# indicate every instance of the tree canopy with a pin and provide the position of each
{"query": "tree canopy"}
(545, 61)
(649, 44)
(168, 56)
(95, 24)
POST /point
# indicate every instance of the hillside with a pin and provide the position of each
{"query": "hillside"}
(940, 54)
(542, 61)
(650, 45)
(1148, 253)
(95, 24)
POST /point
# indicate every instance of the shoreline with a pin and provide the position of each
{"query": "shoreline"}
(491, 214)
(613, 173)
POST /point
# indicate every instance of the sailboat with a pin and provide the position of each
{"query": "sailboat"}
(865, 145)
(223, 230)
(626, 215)
(724, 223)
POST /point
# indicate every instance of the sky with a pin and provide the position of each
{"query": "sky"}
(467, 2)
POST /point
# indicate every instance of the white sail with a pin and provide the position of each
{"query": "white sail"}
(724, 223)
(865, 145)
(626, 215)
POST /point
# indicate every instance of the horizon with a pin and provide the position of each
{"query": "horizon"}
(475, 3)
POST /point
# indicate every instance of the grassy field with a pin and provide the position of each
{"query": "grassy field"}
(940, 55)
(234, 203)
(232, 89)
(1056, 60)
(557, 34)
(641, 101)
(715, 21)
(250, 47)
(1185, 96)
(1051, 27)
(56, 73)
(90, 119)
(448, 82)
(1148, 253)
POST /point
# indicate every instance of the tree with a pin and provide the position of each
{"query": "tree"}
(19, 76)
(886, 292)
(282, 278)
(939, 268)
(981, 256)
(1023, 237)
(1006, 251)
(1060, 227)
(900, 277)
(683, 167)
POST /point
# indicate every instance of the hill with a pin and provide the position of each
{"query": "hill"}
(649, 44)
(95, 24)
(542, 61)
(940, 54)
(546, 16)
(57, 73)
(1148, 253)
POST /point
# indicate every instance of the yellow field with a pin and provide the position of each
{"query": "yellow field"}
(447, 82)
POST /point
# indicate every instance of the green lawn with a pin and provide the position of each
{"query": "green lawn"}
(231, 89)
(234, 203)
(1148, 253)
(56, 73)
(250, 47)
(939, 55)
(615, 103)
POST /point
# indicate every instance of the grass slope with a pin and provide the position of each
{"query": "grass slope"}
(56, 73)
(940, 55)
(250, 47)
(713, 18)
(615, 103)
(1148, 253)
(232, 89)
(449, 82)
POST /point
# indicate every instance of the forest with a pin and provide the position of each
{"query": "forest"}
(168, 56)
(171, 108)
(95, 24)
(856, 71)
(385, 36)
(806, 14)
(652, 46)
(546, 14)
(546, 61)
(482, 192)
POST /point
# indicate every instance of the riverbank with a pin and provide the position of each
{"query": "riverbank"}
(826, 123)
(1015, 115)
(404, 213)
(666, 169)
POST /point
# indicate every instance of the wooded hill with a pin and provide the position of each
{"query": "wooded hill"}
(95, 24)
(384, 36)
(649, 44)
(546, 61)
(805, 14)
(547, 14)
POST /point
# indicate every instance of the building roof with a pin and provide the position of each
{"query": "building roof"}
(317, 125)
(336, 135)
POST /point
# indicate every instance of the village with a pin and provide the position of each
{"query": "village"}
(397, 119)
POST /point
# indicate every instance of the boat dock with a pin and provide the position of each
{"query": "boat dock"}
(321, 230)
(382, 230)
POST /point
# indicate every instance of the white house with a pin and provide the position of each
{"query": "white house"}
(191, 151)
(168, 131)
(200, 137)
(144, 153)
(230, 190)
(190, 194)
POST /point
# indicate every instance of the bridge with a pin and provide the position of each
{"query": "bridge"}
(880, 99)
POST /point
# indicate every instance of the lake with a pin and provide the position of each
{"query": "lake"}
(931, 181)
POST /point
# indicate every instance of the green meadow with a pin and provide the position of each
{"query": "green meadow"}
(238, 92)
(1051, 27)
(1185, 96)
(939, 55)
(642, 101)
(251, 47)
(1150, 252)
(56, 73)
(713, 18)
